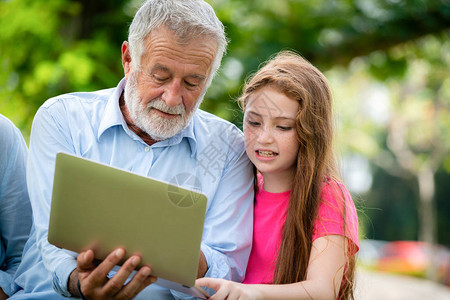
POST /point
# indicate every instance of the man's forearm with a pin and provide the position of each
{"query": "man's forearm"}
(202, 266)
(72, 285)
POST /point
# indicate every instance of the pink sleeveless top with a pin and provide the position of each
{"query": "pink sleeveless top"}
(269, 218)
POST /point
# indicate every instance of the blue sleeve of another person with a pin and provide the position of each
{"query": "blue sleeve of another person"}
(15, 209)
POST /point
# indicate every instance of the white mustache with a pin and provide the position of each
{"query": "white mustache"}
(159, 104)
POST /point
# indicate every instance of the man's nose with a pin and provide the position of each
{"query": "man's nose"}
(172, 95)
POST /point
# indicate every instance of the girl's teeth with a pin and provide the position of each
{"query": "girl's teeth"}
(266, 153)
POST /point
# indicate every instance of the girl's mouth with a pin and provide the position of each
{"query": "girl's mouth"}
(266, 153)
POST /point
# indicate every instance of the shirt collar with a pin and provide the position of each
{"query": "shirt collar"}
(113, 117)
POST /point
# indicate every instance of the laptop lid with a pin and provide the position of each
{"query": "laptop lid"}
(99, 207)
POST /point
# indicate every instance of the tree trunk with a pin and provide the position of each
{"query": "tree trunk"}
(427, 216)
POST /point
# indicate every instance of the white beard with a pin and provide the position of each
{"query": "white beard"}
(157, 127)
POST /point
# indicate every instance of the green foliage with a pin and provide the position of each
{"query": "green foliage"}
(443, 206)
(55, 47)
(328, 33)
(391, 208)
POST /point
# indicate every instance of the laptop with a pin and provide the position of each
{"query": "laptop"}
(99, 207)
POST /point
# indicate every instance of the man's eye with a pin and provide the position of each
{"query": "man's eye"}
(190, 84)
(159, 79)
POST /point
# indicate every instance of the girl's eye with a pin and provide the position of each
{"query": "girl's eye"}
(285, 128)
(254, 124)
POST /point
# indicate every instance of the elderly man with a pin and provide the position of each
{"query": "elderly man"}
(149, 124)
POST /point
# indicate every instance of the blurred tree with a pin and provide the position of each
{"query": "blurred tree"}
(328, 33)
(442, 203)
(52, 47)
(418, 137)
(401, 123)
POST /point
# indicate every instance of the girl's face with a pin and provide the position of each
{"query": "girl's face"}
(269, 129)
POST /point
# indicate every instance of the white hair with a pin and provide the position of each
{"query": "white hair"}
(188, 19)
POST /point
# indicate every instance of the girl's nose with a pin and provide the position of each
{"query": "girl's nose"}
(265, 136)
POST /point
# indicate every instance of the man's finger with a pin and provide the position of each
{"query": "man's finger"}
(139, 281)
(85, 261)
(116, 283)
(98, 275)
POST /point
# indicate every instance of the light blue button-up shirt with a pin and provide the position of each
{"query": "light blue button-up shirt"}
(207, 155)
(15, 209)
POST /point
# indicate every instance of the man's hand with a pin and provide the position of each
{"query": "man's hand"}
(94, 283)
(3, 295)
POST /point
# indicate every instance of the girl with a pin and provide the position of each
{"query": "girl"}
(305, 234)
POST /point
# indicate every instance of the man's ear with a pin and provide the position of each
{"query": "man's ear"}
(126, 58)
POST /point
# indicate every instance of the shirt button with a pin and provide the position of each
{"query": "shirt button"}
(147, 149)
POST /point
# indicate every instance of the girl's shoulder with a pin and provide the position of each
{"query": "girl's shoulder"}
(337, 213)
(335, 192)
